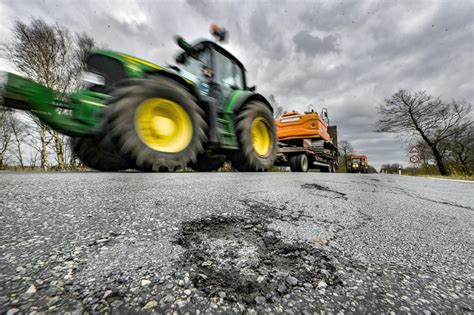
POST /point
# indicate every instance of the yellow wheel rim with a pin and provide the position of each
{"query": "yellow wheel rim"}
(261, 137)
(163, 125)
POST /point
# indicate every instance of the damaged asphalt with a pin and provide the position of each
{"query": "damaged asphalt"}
(234, 243)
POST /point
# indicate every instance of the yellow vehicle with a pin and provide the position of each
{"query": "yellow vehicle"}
(359, 164)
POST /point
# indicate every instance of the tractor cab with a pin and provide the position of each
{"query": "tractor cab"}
(214, 70)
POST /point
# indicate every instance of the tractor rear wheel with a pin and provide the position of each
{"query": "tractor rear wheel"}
(299, 163)
(99, 153)
(256, 133)
(156, 124)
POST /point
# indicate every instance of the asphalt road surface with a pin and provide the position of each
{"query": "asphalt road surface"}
(235, 243)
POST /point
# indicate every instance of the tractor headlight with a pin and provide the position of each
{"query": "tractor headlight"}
(91, 78)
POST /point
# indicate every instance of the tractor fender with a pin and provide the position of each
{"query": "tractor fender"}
(246, 97)
(189, 86)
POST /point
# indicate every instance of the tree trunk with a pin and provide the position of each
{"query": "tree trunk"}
(18, 144)
(59, 148)
(44, 152)
(20, 155)
(463, 163)
(73, 161)
(345, 163)
(439, 161)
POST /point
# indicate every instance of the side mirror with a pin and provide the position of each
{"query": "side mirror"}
(182, 42)
(252, 88)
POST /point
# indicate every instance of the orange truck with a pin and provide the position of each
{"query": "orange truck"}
(359, 164)
(307, 141)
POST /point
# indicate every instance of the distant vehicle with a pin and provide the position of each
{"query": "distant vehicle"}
(359, 164)
(306, 141)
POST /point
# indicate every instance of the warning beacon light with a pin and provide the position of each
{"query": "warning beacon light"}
(219, 33)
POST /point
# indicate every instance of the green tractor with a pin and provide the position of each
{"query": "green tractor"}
(135, 114)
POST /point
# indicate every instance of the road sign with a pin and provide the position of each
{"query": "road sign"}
(414, 150)
(414, 159)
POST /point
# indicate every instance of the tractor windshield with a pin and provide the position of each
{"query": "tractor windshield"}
(196, 62)
(227, 71)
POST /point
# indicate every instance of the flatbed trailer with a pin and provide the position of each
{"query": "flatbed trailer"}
(304, 158)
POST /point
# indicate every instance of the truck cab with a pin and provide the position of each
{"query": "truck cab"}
(358, 164)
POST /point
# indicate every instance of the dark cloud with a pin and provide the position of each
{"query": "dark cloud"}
(346, 56)
(326, 16)
(265, 36)
(313, 45)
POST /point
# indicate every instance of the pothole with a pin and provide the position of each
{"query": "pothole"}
(243, 260)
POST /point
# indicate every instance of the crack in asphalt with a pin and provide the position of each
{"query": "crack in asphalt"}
(417, 196)
(324, 188)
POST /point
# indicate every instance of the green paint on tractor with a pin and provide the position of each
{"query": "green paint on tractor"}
(112, 81)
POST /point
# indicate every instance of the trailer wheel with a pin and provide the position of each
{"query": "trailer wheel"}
(256, 133)
(299, 163)
(99, 153)
(156, 124)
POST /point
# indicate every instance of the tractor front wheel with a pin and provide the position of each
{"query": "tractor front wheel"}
(156, 124)
(98, 153)
(256, 133)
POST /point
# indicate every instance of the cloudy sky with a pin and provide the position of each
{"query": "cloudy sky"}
(346, 56)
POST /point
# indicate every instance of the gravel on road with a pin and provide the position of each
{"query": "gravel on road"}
(294, 243)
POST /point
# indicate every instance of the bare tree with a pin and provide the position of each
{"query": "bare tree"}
(423, 116)
(49, 55)
(18, 129)
(5, 135)
(371, 169)
(345, 150)
(277, 109)
(462, 150)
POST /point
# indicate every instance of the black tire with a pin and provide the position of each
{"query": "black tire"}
(299, 163)
(325, 169)
(246, 158)
(99, 153)
(120, 118)
(207, 164)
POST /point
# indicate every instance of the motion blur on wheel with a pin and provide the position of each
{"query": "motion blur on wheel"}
(134, 114)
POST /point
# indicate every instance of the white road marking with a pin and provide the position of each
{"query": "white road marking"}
(454, 180)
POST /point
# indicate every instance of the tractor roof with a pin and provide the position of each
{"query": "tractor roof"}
(220, 49)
